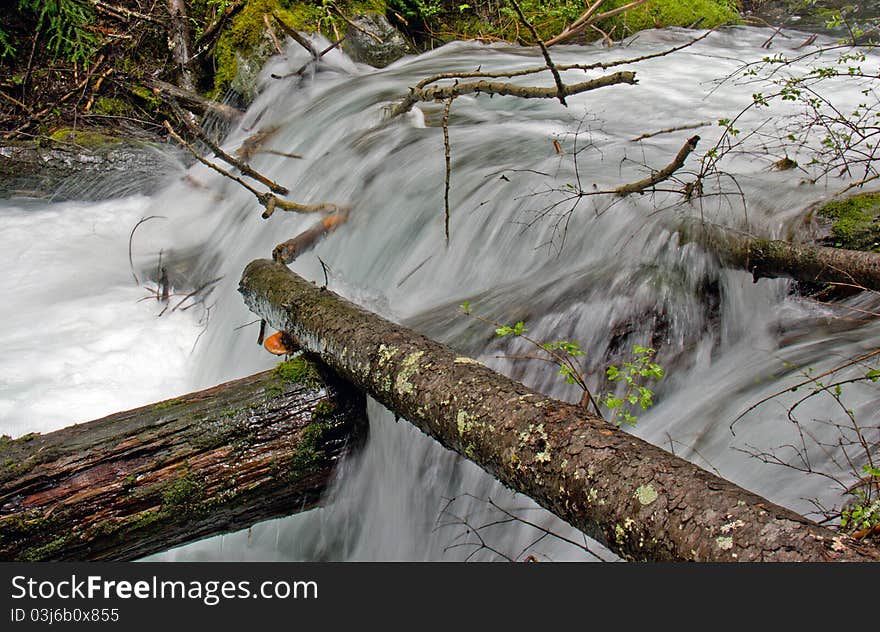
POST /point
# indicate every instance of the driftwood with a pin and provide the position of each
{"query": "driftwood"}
(146, 480)
(774, 258)
(640, 501)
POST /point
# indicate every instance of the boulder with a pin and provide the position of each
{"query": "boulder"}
(370, 39)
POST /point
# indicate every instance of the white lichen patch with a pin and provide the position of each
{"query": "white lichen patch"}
(543, 457)
(646, 494)
(724, 543)
(386, 352)
(409, 367)
(466, 360)
(730, 526)
(465, 422)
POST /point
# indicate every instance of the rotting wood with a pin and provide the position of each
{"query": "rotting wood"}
(211, 462)
(775, 258)
(640, 501)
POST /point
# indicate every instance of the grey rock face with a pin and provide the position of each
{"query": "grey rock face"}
(374, 41)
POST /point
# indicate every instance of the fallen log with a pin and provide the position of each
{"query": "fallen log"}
(775, 258)
(638, 500)
(145, 480)
(191, 100)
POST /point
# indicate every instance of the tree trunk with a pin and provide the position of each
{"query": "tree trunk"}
(641, 502)
(773, 258)
(211, 462)
(179, 40)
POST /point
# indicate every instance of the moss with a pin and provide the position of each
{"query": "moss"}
(182, 494)
(45, 551)
(110, 106)
(167, 404)
(150, 99)
(309, 454)
(487, 21)
(242, 38)
(855, 222)
(324, 409)
(85, 138)
(129, 482)
(298, 371)
(662, 13)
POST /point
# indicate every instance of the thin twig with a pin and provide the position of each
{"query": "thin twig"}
(560, 87)
(669, 130)
(244, 168)
(268, 200)
(448, 155)
(131, 237)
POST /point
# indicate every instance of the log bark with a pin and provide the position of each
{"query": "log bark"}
(145, 480)
(774, 258)
(640, 501)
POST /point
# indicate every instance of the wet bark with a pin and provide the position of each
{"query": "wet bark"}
(640, 501)
(145, 480)
(773, 258)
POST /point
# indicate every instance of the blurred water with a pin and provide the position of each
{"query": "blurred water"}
(609, 275)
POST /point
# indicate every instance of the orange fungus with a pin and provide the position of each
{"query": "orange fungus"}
(275, 344)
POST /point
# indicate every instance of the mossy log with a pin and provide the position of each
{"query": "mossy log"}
(145, 480)
(640, 501)
(807, 263)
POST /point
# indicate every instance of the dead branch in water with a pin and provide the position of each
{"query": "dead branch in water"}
(267, 199)
(243, 167)
(441, 93)
(664, 174)
(289, 250)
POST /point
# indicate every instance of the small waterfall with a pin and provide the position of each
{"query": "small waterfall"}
(607, 273)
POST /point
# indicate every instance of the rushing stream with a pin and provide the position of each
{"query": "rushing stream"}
(79, 343)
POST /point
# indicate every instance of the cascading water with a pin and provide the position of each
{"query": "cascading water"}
(78, 343)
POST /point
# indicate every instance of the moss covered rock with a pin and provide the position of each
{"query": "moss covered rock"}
(244, 45)
(855, 222)
(440, 21)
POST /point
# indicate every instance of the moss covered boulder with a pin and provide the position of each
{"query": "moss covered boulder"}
(854, 222)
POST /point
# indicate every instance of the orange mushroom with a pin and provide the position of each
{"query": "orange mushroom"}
(279, 343)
